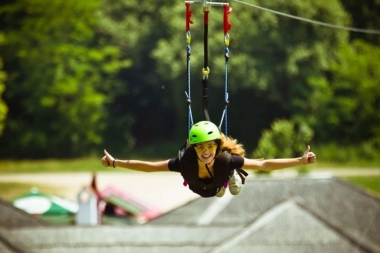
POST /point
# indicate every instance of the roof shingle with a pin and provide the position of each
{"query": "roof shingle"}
(269, 215)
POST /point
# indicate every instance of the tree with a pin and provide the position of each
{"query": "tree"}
(3, 106)
(283, 139)
(137, 28)
(60, 73)
(113, 73)
(346, 102)
(364, 15)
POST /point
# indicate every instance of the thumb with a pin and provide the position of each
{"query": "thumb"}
(108, 156)
(307, 150)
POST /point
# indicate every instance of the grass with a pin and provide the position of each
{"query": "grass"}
(348, 165)
(11, 190)
(52, 165)
(370, 184)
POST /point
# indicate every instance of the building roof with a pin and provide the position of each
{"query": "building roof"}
(334, 203)
(269, 215)
(11, 216)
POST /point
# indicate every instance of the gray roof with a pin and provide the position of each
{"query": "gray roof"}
(334, 204)
(269, 215)
(11, 216)
(14, 217)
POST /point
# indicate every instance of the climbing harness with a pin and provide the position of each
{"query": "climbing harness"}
(206, 70)
(219, 178)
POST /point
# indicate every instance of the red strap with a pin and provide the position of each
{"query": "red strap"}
(205, 17)
(188, 16)
(227, 24)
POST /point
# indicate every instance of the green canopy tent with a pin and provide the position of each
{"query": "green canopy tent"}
(38, 203)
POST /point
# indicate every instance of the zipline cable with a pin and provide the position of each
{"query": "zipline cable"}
(352, 29)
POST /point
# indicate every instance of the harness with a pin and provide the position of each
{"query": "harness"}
(189, 171)
(222, 173)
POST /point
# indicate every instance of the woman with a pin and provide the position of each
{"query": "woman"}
(211, 162)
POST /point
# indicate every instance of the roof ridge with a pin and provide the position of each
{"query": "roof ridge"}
(256, 224)
(368, 246)
(214, 209)
(360, 242)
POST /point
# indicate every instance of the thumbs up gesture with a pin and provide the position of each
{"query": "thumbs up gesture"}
(107, 159)
(309, 157)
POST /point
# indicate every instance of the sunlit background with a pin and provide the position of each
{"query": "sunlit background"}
(78, 77)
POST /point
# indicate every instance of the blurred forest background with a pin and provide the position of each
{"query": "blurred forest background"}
(80, 76)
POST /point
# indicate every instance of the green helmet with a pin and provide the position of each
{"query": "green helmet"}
(203, 131)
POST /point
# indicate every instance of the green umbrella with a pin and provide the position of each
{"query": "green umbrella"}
(35, 202)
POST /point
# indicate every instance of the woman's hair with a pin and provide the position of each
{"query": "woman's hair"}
(232, 145)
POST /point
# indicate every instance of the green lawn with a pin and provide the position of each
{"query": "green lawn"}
(369, 183)
(51, 165)
(12, 190)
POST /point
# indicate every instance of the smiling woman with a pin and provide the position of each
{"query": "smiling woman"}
(210, 162)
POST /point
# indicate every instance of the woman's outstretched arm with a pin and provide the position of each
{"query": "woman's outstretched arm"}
(145, 166)
(282, 163)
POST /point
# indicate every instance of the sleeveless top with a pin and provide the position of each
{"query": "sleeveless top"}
(224, 165)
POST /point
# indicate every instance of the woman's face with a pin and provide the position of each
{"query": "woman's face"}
(206, 151)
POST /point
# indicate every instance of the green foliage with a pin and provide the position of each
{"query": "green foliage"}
(143, 107)
(360, 154)
(271, 58)
(282, 52)
(86, 75)
(3, 106)
(60, 75)
(346, 104)
(368, 183)
(284, 139)
(365, 15)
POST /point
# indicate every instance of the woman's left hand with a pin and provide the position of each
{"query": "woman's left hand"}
(309, 157)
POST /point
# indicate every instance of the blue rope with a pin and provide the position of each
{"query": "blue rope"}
(188, 93)
(226, 95)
